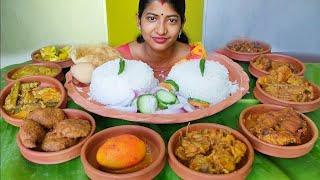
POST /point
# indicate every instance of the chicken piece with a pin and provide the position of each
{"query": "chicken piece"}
(262, 63)
(73, 128)
(53, 142)
(279, 138)
(47, 117)
(31, 133)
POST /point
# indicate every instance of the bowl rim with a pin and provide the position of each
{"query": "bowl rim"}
(47, 64)
(248, 164)
(17, 122)
(244, 129)
(64, 151)
(145, 170)
(268, 49)
(259, 88)
(300, 73)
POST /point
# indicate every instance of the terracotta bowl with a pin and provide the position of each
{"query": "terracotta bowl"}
(63, 64)
(152, 139)
(303, 107)
(186, 173)
(59, 76)
(242, 56)
(45, 82)
(298, 65)
(275, 150)
(63, 155)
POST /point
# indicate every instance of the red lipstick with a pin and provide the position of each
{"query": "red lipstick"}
(159, 40)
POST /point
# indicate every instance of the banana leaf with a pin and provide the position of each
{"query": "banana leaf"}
(14, 166)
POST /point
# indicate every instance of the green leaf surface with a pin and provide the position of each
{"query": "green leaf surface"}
(15, 167)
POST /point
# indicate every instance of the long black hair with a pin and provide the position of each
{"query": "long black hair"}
(178, 5)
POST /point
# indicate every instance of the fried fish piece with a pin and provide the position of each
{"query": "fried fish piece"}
(73, 128)
(47, 117)
(11, 100)
(53, 142)
(31, 133)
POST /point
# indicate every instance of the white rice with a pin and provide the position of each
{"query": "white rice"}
(213, 87)
(109, 88)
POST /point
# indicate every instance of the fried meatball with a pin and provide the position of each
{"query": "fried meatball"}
(73, 128)
(47, 117)
(53, 142)
(31, 133)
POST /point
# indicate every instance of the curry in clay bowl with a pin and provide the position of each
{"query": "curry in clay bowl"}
(124, 152)
(36, 69)
(278, 131)
(58, 144)
(24, 95)
(206, 151)
(59, 55)
(282, 87)
(262, 64)
(244, 49)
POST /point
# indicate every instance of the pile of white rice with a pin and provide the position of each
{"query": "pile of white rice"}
(213, 87)
(109, 88)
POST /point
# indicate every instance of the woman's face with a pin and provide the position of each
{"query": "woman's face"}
(160, 25)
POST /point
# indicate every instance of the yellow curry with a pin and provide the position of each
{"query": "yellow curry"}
(33, 70)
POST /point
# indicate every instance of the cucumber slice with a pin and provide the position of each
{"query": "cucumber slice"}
(162, 105)
(166, 97)
(173, 84)
(147, 103)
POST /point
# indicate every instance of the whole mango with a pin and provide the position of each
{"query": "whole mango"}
(121, 152)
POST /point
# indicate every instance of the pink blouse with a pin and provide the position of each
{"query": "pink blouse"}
(159, 72)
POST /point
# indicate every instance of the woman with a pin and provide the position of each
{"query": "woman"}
(162, 42)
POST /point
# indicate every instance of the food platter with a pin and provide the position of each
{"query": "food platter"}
(236, 74)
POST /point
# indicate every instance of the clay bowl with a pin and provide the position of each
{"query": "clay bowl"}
(45, 82)
(59, 76)
(37, 59)
(302, 107)
(298, 65)
(243, 56)
(152, 139)
(186, 173)
(72, 152)
(276, 150)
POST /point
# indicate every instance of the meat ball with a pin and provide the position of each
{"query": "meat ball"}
(73, 128)
(47, 117)
(31, 133)
(53, 142)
